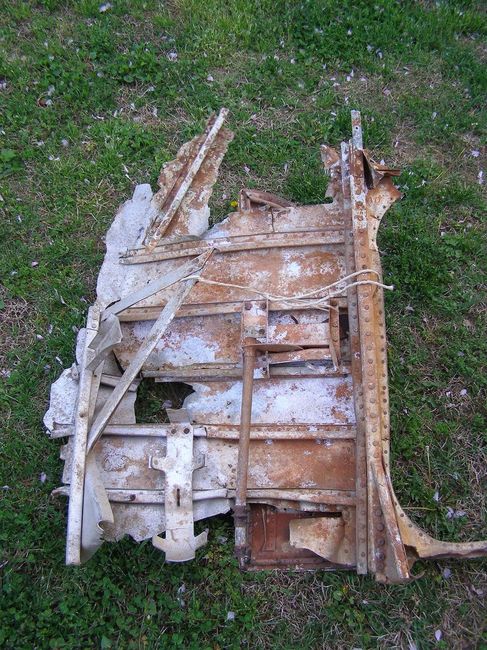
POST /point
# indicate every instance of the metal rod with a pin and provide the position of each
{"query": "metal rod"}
(240, 509)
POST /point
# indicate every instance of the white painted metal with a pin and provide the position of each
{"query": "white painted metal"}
(76, 491)
(150, 342)
(180, 543)
(158, 284)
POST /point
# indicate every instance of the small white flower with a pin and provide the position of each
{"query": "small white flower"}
(230, 616)
(475, 153)
(209, 78)
(105, 7)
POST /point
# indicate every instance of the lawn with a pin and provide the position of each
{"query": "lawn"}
(93, 99)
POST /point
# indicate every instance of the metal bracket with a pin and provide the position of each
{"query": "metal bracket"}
(178, 465)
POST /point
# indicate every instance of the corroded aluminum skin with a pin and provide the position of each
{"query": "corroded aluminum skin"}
(310, 484)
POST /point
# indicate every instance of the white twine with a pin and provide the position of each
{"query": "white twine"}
(299, 300)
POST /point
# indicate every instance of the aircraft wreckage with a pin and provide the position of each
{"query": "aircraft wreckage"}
(275, 318)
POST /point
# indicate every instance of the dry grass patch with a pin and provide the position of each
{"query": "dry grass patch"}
(17, 330)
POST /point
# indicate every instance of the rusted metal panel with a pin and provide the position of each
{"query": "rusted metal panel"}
(275, 317)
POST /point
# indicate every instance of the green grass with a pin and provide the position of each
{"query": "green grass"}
(90, 105)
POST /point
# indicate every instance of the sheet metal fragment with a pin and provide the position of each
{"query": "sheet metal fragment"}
(288, 422)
